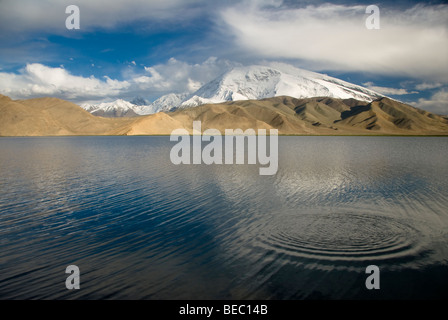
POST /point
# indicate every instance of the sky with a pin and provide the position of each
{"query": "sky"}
(136, 48)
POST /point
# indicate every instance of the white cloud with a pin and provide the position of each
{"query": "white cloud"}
(412, 43)
(387, 90)
(179, 76)
(193, 85)
(438, 103)
(428, 85)
(36, 80)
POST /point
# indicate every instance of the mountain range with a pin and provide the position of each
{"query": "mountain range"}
(291, 116)
(242, 83)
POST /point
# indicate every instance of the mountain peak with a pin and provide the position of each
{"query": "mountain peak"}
(117, 108)
(258, 82)
(251, 82)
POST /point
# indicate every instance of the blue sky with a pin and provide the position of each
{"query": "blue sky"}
(142, 48)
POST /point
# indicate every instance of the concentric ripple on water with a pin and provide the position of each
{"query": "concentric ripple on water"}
(349, 237)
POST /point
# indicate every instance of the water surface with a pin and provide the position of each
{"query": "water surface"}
(139, 227)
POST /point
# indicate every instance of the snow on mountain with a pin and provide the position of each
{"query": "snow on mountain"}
(164, 103)
(138, 106)
(243, 83)
(258, 82)
(169, 102)
(144, 109)
(117, 108)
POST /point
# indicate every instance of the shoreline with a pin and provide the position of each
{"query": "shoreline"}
(279, 135)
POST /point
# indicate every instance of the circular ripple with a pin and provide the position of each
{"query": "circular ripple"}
(349, 237)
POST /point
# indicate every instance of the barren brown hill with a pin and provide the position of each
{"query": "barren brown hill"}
(311, 116)
(51, 117)
(156, 124)
(318, 116)
(392, 117)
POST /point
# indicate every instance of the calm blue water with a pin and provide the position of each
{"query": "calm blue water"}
(139, 227)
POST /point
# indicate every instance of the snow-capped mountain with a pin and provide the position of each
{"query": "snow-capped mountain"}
(243, 83)
(258, 82)
(169, 101)
(120, 108)
(117, 108)
(165, 103)
(138, 106)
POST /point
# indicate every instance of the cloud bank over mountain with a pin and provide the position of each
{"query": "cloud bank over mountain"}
(411, 42)
(36, 80)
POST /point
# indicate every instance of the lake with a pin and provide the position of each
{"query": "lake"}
(140, 227)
